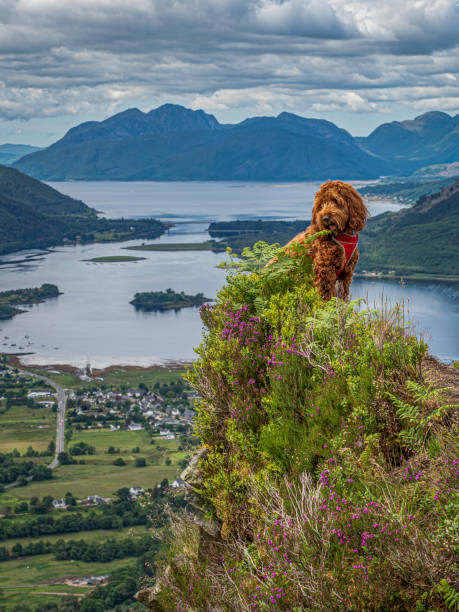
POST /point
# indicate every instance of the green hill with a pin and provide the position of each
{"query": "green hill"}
(420, 240)
(34, 215)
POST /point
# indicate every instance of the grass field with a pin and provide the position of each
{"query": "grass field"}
(26, 584)
(96, 535)
(173, 246)
(45, 569)
(117, 376)
(21, 427)
(98, 475)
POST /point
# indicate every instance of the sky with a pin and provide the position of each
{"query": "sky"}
(358, 63)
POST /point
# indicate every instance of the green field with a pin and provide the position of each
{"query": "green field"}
(25, 599)
(45, 569)
(117, 377)
(21, 427)
(174, 246)
(95, 535)
(98, 475)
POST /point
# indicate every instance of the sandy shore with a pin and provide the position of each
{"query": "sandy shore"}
(65, 367)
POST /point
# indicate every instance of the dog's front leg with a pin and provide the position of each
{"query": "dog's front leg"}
(325, 280)
(346, 275)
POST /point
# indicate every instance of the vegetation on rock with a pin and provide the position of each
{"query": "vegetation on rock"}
(166, 300)
(330, 460)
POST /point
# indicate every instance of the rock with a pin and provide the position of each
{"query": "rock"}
(193, 478)
(191, 474)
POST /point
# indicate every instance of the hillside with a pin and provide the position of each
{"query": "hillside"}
(431, 138)
(327, 476)
(34, 215)
(420, 240)
(175, 143)
(9, 153)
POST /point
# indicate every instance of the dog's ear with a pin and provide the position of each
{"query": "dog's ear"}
(358, 212)
(318, 200)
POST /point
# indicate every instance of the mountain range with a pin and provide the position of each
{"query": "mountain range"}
(175, 143)
(9, 153)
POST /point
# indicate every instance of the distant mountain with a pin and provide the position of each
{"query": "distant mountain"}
(422, 239)
(432, 138)
(9, 153)
(175, 143)
(34, 215)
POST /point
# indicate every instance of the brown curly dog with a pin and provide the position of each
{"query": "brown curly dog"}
(339, 208)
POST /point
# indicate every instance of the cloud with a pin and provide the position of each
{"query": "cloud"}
(94, 57)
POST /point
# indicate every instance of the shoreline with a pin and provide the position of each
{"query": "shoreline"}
(405, 277)
(70, 369)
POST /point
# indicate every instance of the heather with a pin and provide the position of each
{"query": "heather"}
(331, 456)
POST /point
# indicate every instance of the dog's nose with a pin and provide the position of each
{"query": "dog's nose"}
(326, 218)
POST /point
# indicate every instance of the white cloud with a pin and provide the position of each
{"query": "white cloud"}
(62, 57)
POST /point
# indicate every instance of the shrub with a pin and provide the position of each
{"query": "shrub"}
(330, 460)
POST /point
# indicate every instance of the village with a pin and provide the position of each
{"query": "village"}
(167, 411)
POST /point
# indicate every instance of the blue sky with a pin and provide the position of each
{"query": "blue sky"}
(354, 62)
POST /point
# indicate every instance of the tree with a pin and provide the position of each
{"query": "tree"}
(140, 462)
(52, 446)
(168, 461)
(64, 458)
(69, 499)
(119, 461)
(123, 494)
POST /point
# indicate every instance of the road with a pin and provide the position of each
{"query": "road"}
(61, 406)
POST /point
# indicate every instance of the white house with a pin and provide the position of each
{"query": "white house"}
(59, 503)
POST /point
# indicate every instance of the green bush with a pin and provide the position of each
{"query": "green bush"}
(330, 460)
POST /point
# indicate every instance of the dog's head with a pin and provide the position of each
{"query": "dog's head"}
(338, 207)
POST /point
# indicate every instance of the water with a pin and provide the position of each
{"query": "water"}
(93, 320)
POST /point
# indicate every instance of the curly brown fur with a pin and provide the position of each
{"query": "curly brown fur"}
(339, 208)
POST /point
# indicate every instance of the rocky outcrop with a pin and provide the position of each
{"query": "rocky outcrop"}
(209, 529)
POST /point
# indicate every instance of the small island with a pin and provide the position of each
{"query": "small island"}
(166, 300)
(32, 295)
(114, 259)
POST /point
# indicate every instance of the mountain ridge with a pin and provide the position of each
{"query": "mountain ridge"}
(175, 143)
(172, 142)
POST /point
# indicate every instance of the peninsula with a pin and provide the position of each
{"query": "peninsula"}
(36, 216)
(167, 300)
(33, 295)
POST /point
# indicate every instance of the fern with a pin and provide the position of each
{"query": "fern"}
(449, 594)
(414, 416)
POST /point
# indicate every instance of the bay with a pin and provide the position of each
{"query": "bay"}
(93, 321)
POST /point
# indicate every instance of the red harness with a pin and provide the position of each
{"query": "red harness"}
(348, 244)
